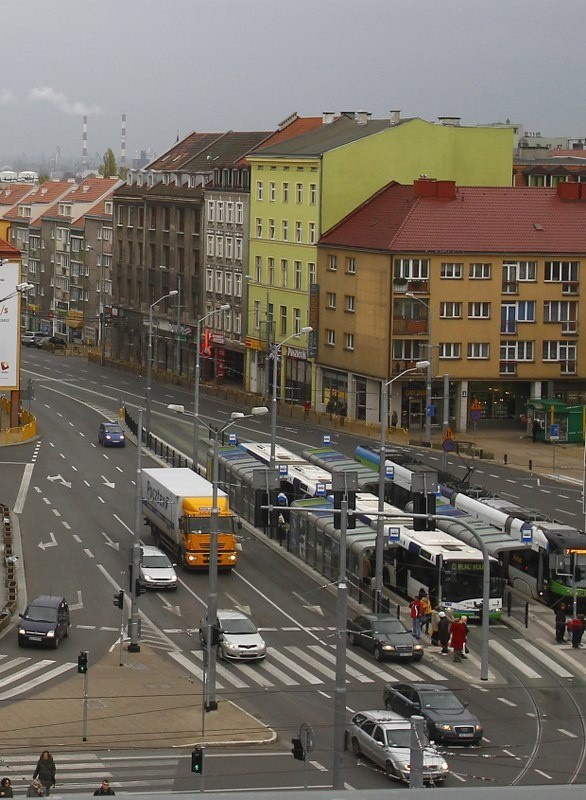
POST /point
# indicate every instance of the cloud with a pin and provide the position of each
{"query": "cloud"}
(62, 102)
(7, 96)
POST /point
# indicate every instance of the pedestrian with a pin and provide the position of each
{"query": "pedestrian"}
(534, 429)
(416, 617)
(6, 788)
(465, 650)
(104, 788)
(36, 789)
(45, 771)
(435, 617)
(560, 622)
(394, 419)
(576, 629)
(458, 632)
(443, 632)
(425, 610)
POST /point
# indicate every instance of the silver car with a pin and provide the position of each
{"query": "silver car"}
(156, 571)
(385, 738)
(237, 637)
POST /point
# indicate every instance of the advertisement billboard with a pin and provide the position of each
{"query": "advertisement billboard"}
(9, 325)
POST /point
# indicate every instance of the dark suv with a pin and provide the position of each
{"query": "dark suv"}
(45, 621)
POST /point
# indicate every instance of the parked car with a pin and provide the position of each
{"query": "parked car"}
(385, 738)
(45, 621)
(51, 341)
(30, 338)
(110, 434)
(237, 635)
(384, 636)
(156, 571)
(448, 719)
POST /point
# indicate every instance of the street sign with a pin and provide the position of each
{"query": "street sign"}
(307, 737)
(448, 433)
(448, 445)
(394, 533)
(554, 432)
(283, 470)
(527, 533)
(389, 471)
(320, 489)
(430, 411)
(232, 439)
(475, 414)
(327, 438)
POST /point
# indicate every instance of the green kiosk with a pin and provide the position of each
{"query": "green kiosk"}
(552, 420)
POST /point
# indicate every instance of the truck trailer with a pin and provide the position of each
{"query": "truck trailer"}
(177, 505)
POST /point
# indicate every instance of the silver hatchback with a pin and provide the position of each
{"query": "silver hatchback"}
(156, 571)
(238, 638)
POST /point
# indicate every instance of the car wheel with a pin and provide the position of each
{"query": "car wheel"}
(56, 643)
(391, 770)
(356, 747)
(352, 639)
(378, 653)
(417, 658)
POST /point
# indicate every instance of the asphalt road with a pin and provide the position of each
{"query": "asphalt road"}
(75, 540)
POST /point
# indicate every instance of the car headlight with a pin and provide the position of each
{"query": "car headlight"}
(191, 558)
(389, 647)
(148, 579)
(443, 726)
(478, 728)
(230, 646)
(444, 766)
(22, 631)
(418, 647)
(108, 436)
(50, 634)
(232, 557)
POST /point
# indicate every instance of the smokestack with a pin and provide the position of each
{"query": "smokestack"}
(362, 117)
(123, 142)
(84, 141)
(395, 117)
(327, 117)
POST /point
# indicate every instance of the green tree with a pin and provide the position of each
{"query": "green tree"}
(109, 168)
(43, 177)
(123, 172)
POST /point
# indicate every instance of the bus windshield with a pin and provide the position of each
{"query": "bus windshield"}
(462, 580)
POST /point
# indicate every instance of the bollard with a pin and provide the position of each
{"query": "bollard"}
(530, 465)
(509, 604)
(526, 615)
(398, 611)
(505, 458)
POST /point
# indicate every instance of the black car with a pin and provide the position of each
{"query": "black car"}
(51, 341)
(384, 636)
(46, 621)
(448, 719)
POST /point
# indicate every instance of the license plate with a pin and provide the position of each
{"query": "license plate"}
(405, 655)
(465, 735)
(36, 638)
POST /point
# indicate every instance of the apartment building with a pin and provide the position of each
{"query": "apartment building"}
(485, 282)
(305, 185)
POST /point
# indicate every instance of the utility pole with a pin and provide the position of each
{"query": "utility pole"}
(134, 646)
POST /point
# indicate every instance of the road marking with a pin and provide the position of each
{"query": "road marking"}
(57, 513)
(513, 660)
(299, 671)
(567, 733)
(77, 538)
(313, 662)
(546, 660)
(276, 672)
(507, 702)
(544, 774)
(512, 755)
(88, 552)
(331, 657)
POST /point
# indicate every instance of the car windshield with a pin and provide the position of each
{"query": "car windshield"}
(41, 614)
(389, 626)
(399, 738)
(238, 626)
(112, 429)
(442, 701)
(156, 562)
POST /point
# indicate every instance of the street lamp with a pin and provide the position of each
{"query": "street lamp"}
(277, 347)
(210, 701)
(20, 288)
(172, 293)
(224, 307)
(429, 376)
(380, 526)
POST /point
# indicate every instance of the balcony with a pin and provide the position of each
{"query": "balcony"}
(403, 325)
(403, 285)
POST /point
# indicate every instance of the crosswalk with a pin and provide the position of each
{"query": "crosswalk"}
(22, 674)
(83, 772)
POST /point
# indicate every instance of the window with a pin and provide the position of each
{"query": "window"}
(330, 337)
(271, 265)
(230, 211)
(561, 271)
(284, 273)
(478, 350)
(332, 263)
(480, 272)
(238, 248)
(120, 215)
(219, 281)
(451, 271)
(258, 228)
(313, 193)
(285, 192)
(130, 222)
(527, 271)
(516, 351)
(220, 211)
(451, 310)
(526, 311)
(258, 269)
(411, 268)
(479, 310)
(298, 275)
(331, 300)
(285, 230)
(299, 192)
(450, 350)
(229, 247)
(559, 351)
(272, 192)
(311, 272)
(564, 311)
(210, 244)
(256, 314)
(350, 303)
(239, 213)
(228, 283)
(259, 190)
(348, 341)
(297, 320)
(209, 280)
(351, 266)
(299, 232)
(220, 246)
(283, 320)
(312, 233)
(237, 322)
(271, 228)
(237, 284)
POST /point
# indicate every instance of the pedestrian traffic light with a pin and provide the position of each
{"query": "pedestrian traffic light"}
(82, 662)
(138, 588)
(119, 599)
(197, 760)
(297, 749)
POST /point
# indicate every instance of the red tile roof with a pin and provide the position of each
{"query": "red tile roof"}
(298, 127)
(14, 193)
(8, 251)
(45, 194)
(478, 219)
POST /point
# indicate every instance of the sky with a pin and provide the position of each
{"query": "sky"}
(175, 66)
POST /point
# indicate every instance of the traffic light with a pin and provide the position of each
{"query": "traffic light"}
(138, 588)
(297, 749)
(119, 599)
(197, 760)
(82, 662)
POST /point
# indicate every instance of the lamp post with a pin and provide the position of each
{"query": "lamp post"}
(380, 526)
(224, 307)
(20, 288)
(275, 354)
(210, 702)
(429, 377)
(172, 293)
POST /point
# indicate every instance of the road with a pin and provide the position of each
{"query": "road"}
(77, 524)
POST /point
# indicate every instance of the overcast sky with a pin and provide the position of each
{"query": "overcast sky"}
(183, 65)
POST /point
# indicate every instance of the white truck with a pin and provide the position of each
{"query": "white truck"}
(177, 505)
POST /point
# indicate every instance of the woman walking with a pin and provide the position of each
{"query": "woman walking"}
(45, 771)
(458, 631)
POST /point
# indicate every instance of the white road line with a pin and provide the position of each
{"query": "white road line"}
(375, 669)
(569, 734)
(76, 537)
(248, 671)
(513, 660)
(544, 774)
(66, 525)
(16, 662)
(276, 672)
(57, 513)
(546, 660)
(512, 755)
(184, 662)
(507, 702)
(331, 657)
(35, 682)
(88, 553)
(313, 662)
(299, 670)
